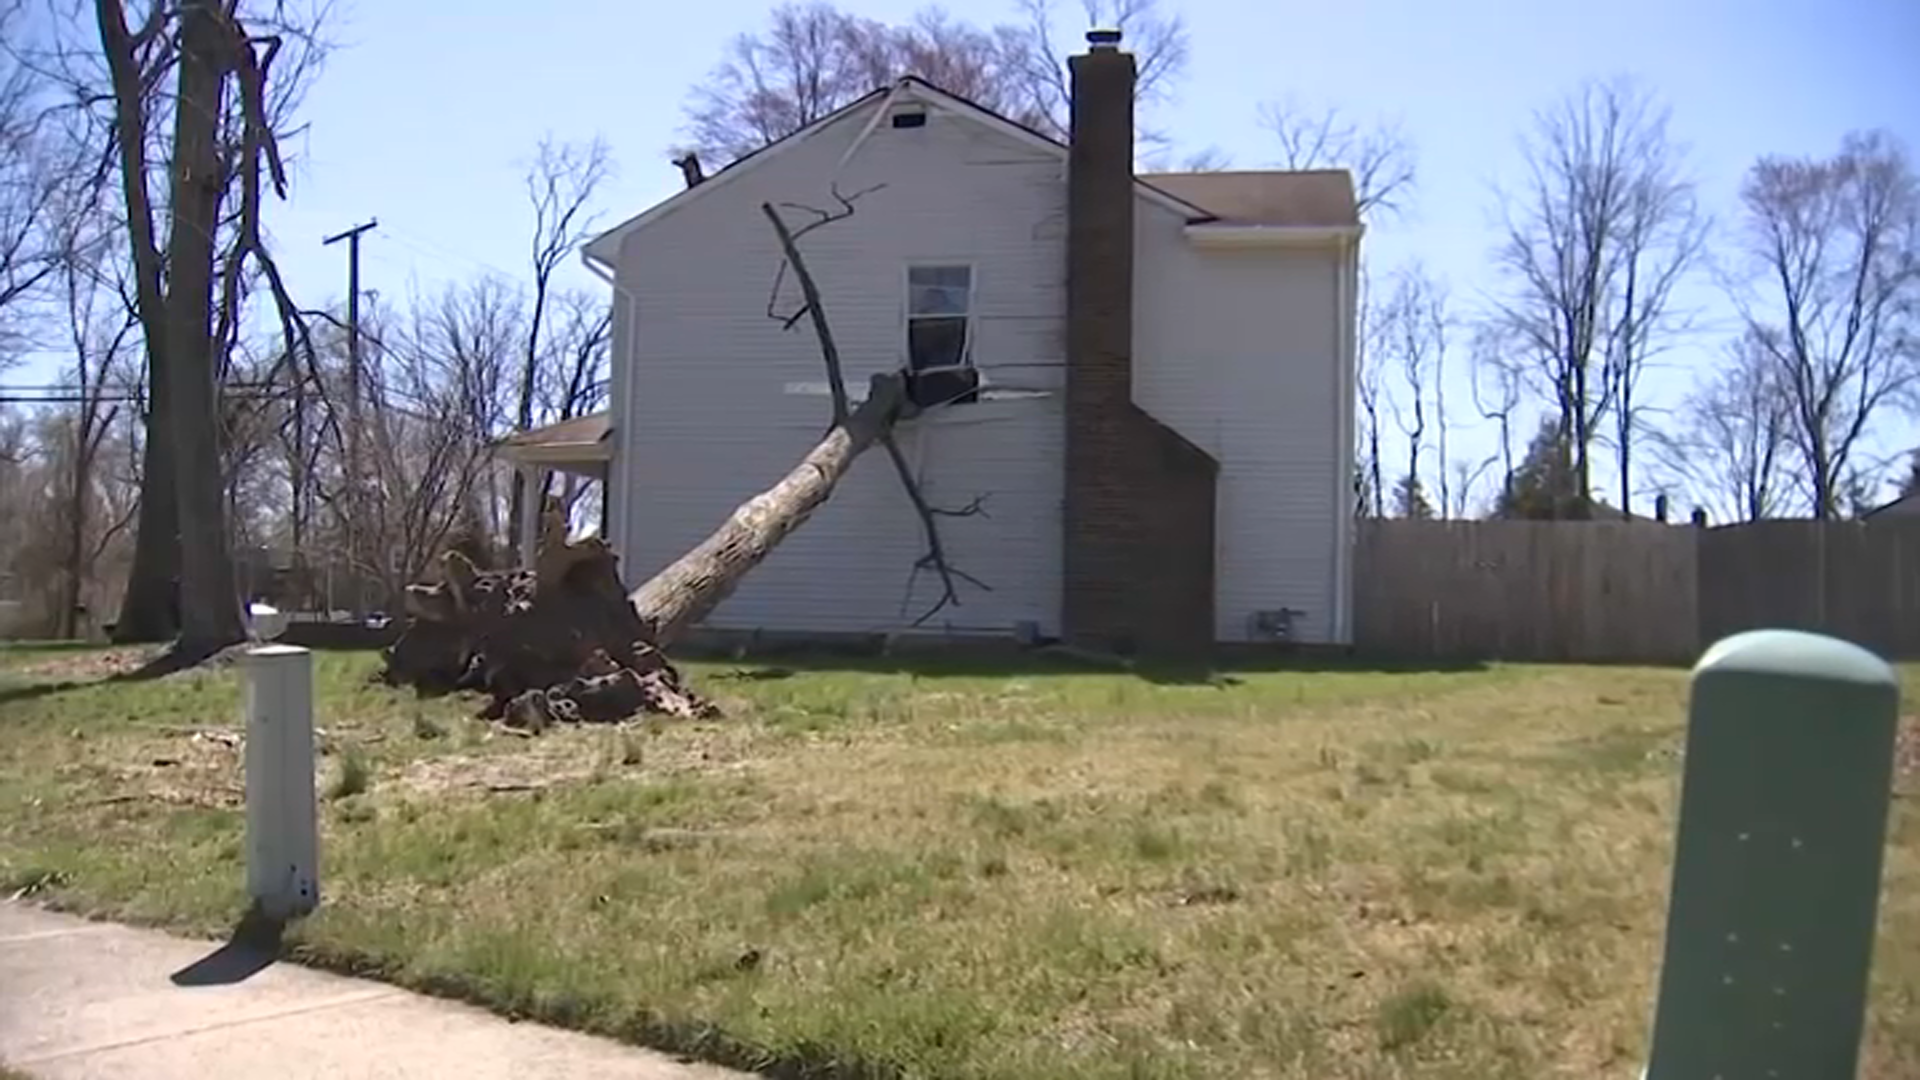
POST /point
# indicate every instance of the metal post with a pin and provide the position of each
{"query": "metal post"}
(283, 832)
(1776, 876)
(355, 473)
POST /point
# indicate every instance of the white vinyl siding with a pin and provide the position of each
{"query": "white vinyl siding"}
(711, 420)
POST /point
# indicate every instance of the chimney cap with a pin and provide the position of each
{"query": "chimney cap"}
(1103, 40)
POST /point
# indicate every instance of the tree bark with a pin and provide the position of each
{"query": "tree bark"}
(693, 585)
(148, 611)
(209, 595)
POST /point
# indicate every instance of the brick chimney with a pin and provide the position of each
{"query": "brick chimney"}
(1139, 507)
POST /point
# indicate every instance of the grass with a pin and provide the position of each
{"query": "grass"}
(957, 872)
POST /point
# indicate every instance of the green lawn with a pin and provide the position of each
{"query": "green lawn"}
(954, 873)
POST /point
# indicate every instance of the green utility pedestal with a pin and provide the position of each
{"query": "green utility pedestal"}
(1776, 875)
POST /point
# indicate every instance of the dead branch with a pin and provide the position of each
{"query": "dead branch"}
(829, 352)
(936, 557)
(809, 289)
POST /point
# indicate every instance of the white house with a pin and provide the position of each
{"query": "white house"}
(1905, 506)
(1150, 378)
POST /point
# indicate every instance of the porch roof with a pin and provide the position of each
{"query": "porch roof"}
(582, 444)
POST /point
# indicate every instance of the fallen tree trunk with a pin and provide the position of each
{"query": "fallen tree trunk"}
(694, 584)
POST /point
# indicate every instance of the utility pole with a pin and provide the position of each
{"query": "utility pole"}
(352, 237)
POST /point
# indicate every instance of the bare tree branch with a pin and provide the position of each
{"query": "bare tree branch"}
(809, 291)
(813, 58)
(1835, 245)
(1594, 247)
(1381, 158)
(1731, 449)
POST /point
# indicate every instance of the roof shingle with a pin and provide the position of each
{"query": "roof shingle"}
(1320, 198)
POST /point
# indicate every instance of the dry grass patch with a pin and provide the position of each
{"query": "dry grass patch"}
(969, 873)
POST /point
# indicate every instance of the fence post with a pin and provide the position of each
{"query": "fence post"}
(283, 832)
(1776, 876)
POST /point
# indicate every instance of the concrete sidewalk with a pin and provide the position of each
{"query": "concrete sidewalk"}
(87, 1001)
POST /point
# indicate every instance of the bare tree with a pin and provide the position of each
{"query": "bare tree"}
(1413, 337)
(1733, 444)
(1380, 157)
(33, 175)
(813, 58)
(560, 183)
(1498, 386)
(1835, 244)
(1660, 237)
(1158, 41)
(99, 324)
(1463, 484)
(1369, 386)
(445, 368)
(226, 114)
(1593, 245)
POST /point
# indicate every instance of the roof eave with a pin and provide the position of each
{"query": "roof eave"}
(1220, 234)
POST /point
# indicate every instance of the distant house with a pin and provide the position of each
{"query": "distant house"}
(1147, 381)
(1905, 506)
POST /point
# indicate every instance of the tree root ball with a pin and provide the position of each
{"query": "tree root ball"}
(559, 643)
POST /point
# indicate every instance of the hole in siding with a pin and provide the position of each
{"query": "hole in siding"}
(909, 118)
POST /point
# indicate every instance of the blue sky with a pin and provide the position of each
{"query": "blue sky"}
(427, 113)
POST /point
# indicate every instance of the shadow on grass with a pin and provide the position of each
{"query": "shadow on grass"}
(934, 663)
(35, 691)
(178, 657)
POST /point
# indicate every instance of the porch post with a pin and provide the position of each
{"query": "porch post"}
(606, 500)
(534, 481)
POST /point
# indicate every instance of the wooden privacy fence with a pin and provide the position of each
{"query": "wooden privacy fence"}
(1607, 591)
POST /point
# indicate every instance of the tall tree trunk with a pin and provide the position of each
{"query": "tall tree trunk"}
(76, 556)
(696, 583)
(148, 612)
(209, 595)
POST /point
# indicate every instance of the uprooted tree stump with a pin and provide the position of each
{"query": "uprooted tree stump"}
(557, 643)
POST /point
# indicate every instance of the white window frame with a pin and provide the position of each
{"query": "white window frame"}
(907, 315)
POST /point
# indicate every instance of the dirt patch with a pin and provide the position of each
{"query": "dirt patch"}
(1906, 747)
(540, 767)
(102, 664)
(573, 756)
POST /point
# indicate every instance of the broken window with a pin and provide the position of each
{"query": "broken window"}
(939, 335)
(939, 305)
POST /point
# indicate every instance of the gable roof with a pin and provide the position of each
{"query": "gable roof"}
(1900, 507)
(1279, 199)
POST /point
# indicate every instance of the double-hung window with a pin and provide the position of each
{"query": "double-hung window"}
(939, 317)
(940, 367)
